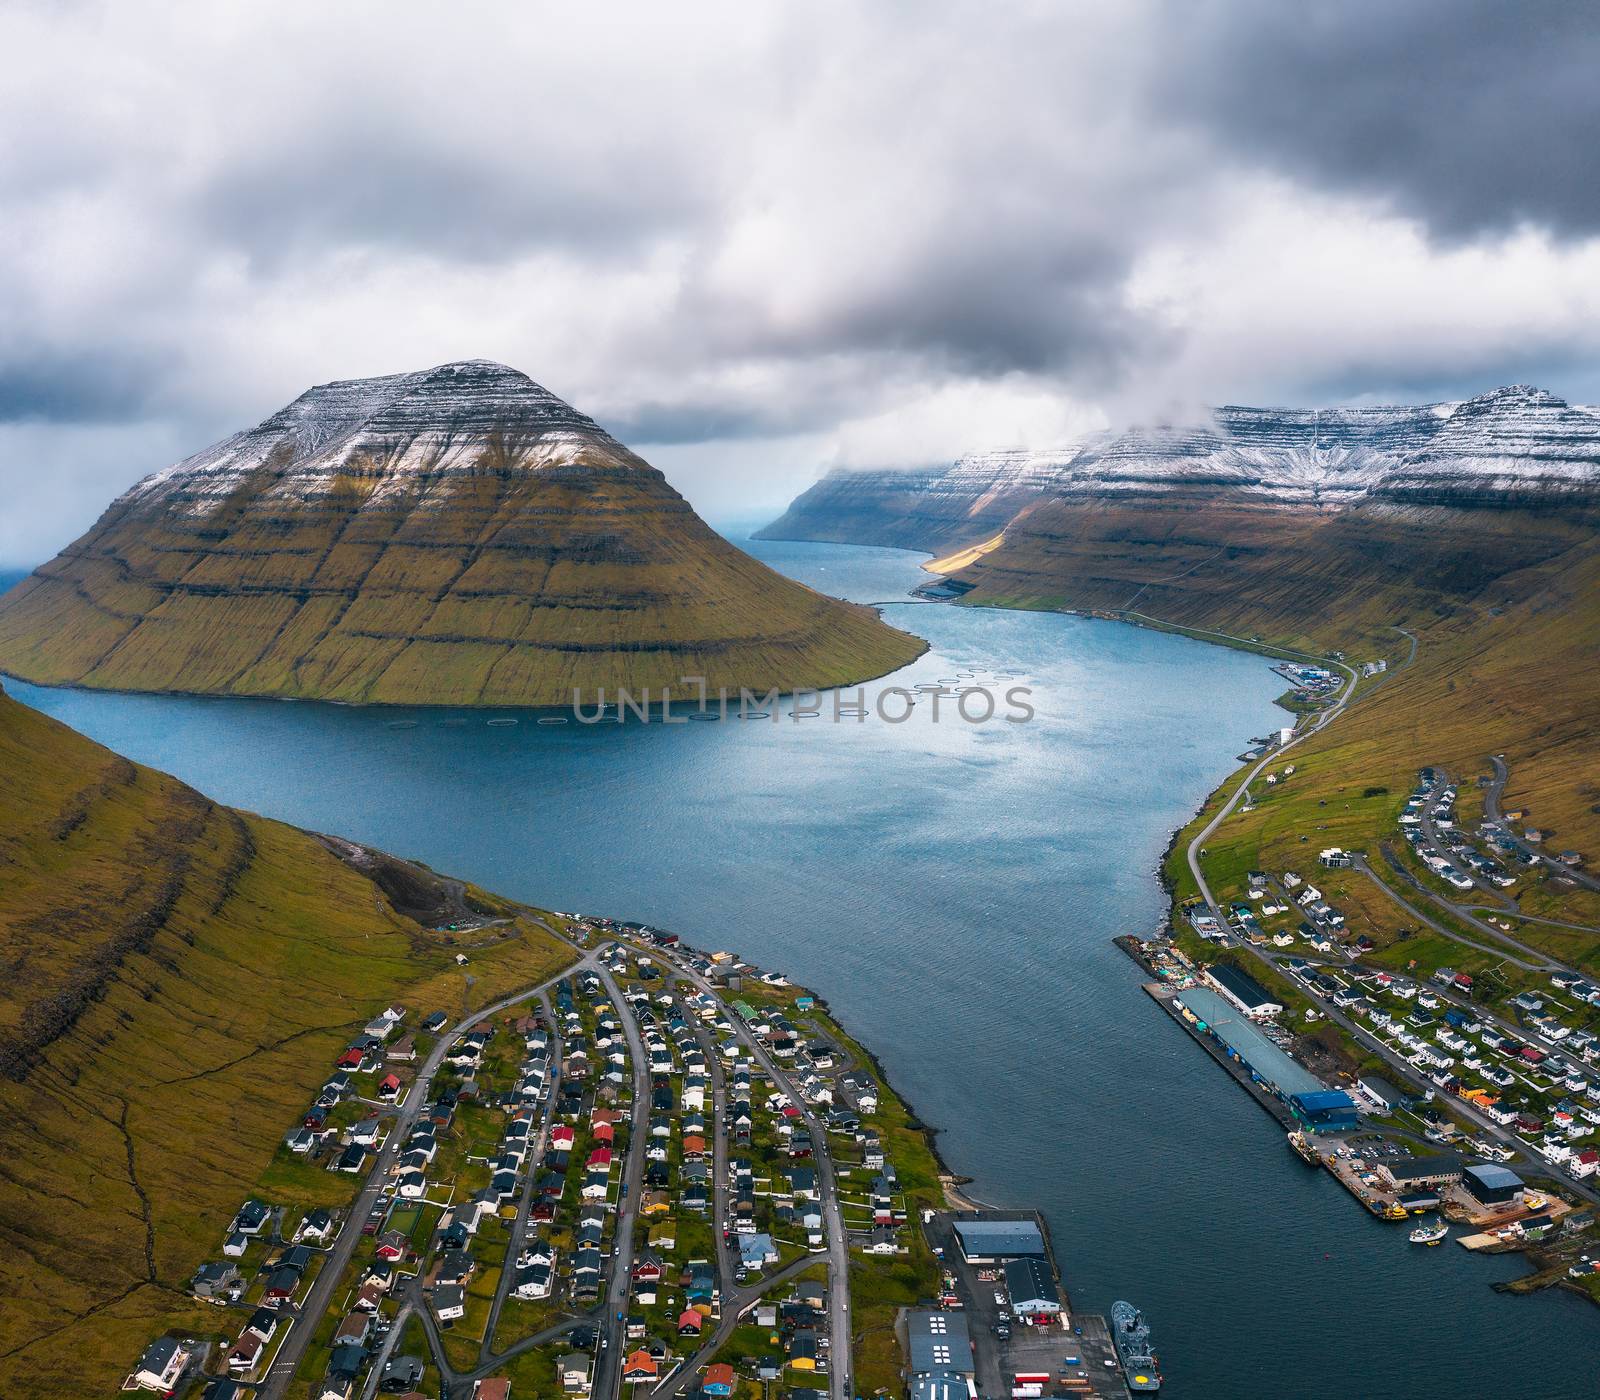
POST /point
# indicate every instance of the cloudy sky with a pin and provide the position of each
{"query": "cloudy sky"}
(758, 240)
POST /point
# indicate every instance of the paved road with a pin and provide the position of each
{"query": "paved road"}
(1503, 942)
(735, 1303)
(1491, 810)
(536, 1149)
(1528, 918)
(1322, 721)
(608, 1366)
(293, 1350)
(838, 1250)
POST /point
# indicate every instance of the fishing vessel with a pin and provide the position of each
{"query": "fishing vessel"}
(1303, 1149)
(1430, 1233)
(1130, 1334)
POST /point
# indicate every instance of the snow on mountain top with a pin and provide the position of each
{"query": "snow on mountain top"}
(394, 427)
(1515, 438)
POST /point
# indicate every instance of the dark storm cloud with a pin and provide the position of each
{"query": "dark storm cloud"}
(1475, 116)
(51, 386)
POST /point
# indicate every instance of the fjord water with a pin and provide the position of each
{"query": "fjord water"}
(952, 890)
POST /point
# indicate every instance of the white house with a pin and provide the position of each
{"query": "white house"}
(161, 1365)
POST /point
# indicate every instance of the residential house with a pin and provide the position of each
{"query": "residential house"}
(640, 1368)
(316, 1227)
(353, 1331)
(215, 1281)
(246, 1352)
(572, 1372)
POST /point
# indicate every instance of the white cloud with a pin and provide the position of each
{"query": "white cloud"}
(765, 238)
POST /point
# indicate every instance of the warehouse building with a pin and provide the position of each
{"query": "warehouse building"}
(987, 1239)
(942, 1367)
(1245, 1042)
(1492, 1186)
(1032, 1291)
(1325, 1111)
(1413, 1173)
(1243, 991)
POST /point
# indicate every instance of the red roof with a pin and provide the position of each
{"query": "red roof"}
(640, 1363)
(600, 1157)
(690, 1321)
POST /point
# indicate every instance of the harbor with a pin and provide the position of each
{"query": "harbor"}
(999, 1273)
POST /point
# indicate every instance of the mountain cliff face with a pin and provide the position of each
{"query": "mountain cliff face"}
(179, 975)
(456, 535)
(1257, 518)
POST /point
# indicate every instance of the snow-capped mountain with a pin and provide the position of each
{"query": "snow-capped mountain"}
(457, 535)
(391, 432)
(1515, 445)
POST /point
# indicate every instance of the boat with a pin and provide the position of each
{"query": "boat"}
(1395, 1211)
(1130, 1334)
(1303, 1149)
(1430, 1234)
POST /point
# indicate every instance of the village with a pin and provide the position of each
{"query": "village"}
(1451, 1076)
(662, 1173)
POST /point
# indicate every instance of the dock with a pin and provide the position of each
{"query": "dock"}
(1029, 1351)
(1162, 996)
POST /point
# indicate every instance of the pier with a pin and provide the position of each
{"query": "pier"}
(1162, 996)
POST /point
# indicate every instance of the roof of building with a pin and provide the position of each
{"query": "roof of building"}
(1319, 1100)
(1494, 1178)
(1029, 1281)
(1242, 985)
(1381, 1089)
(1250, 1043)
(940, 1343)
(1419, 1168)
(997, 1239)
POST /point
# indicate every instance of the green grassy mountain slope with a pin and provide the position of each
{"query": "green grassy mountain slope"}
(455, 536)
(1503, 603)
(179, 978)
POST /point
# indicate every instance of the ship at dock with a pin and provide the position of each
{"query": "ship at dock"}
(1303, 1149)
(1130, 1333)
(1430, 1233)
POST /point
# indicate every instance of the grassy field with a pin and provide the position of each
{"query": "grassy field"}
(180, 978)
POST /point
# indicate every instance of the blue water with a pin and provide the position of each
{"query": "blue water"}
(952, 890)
